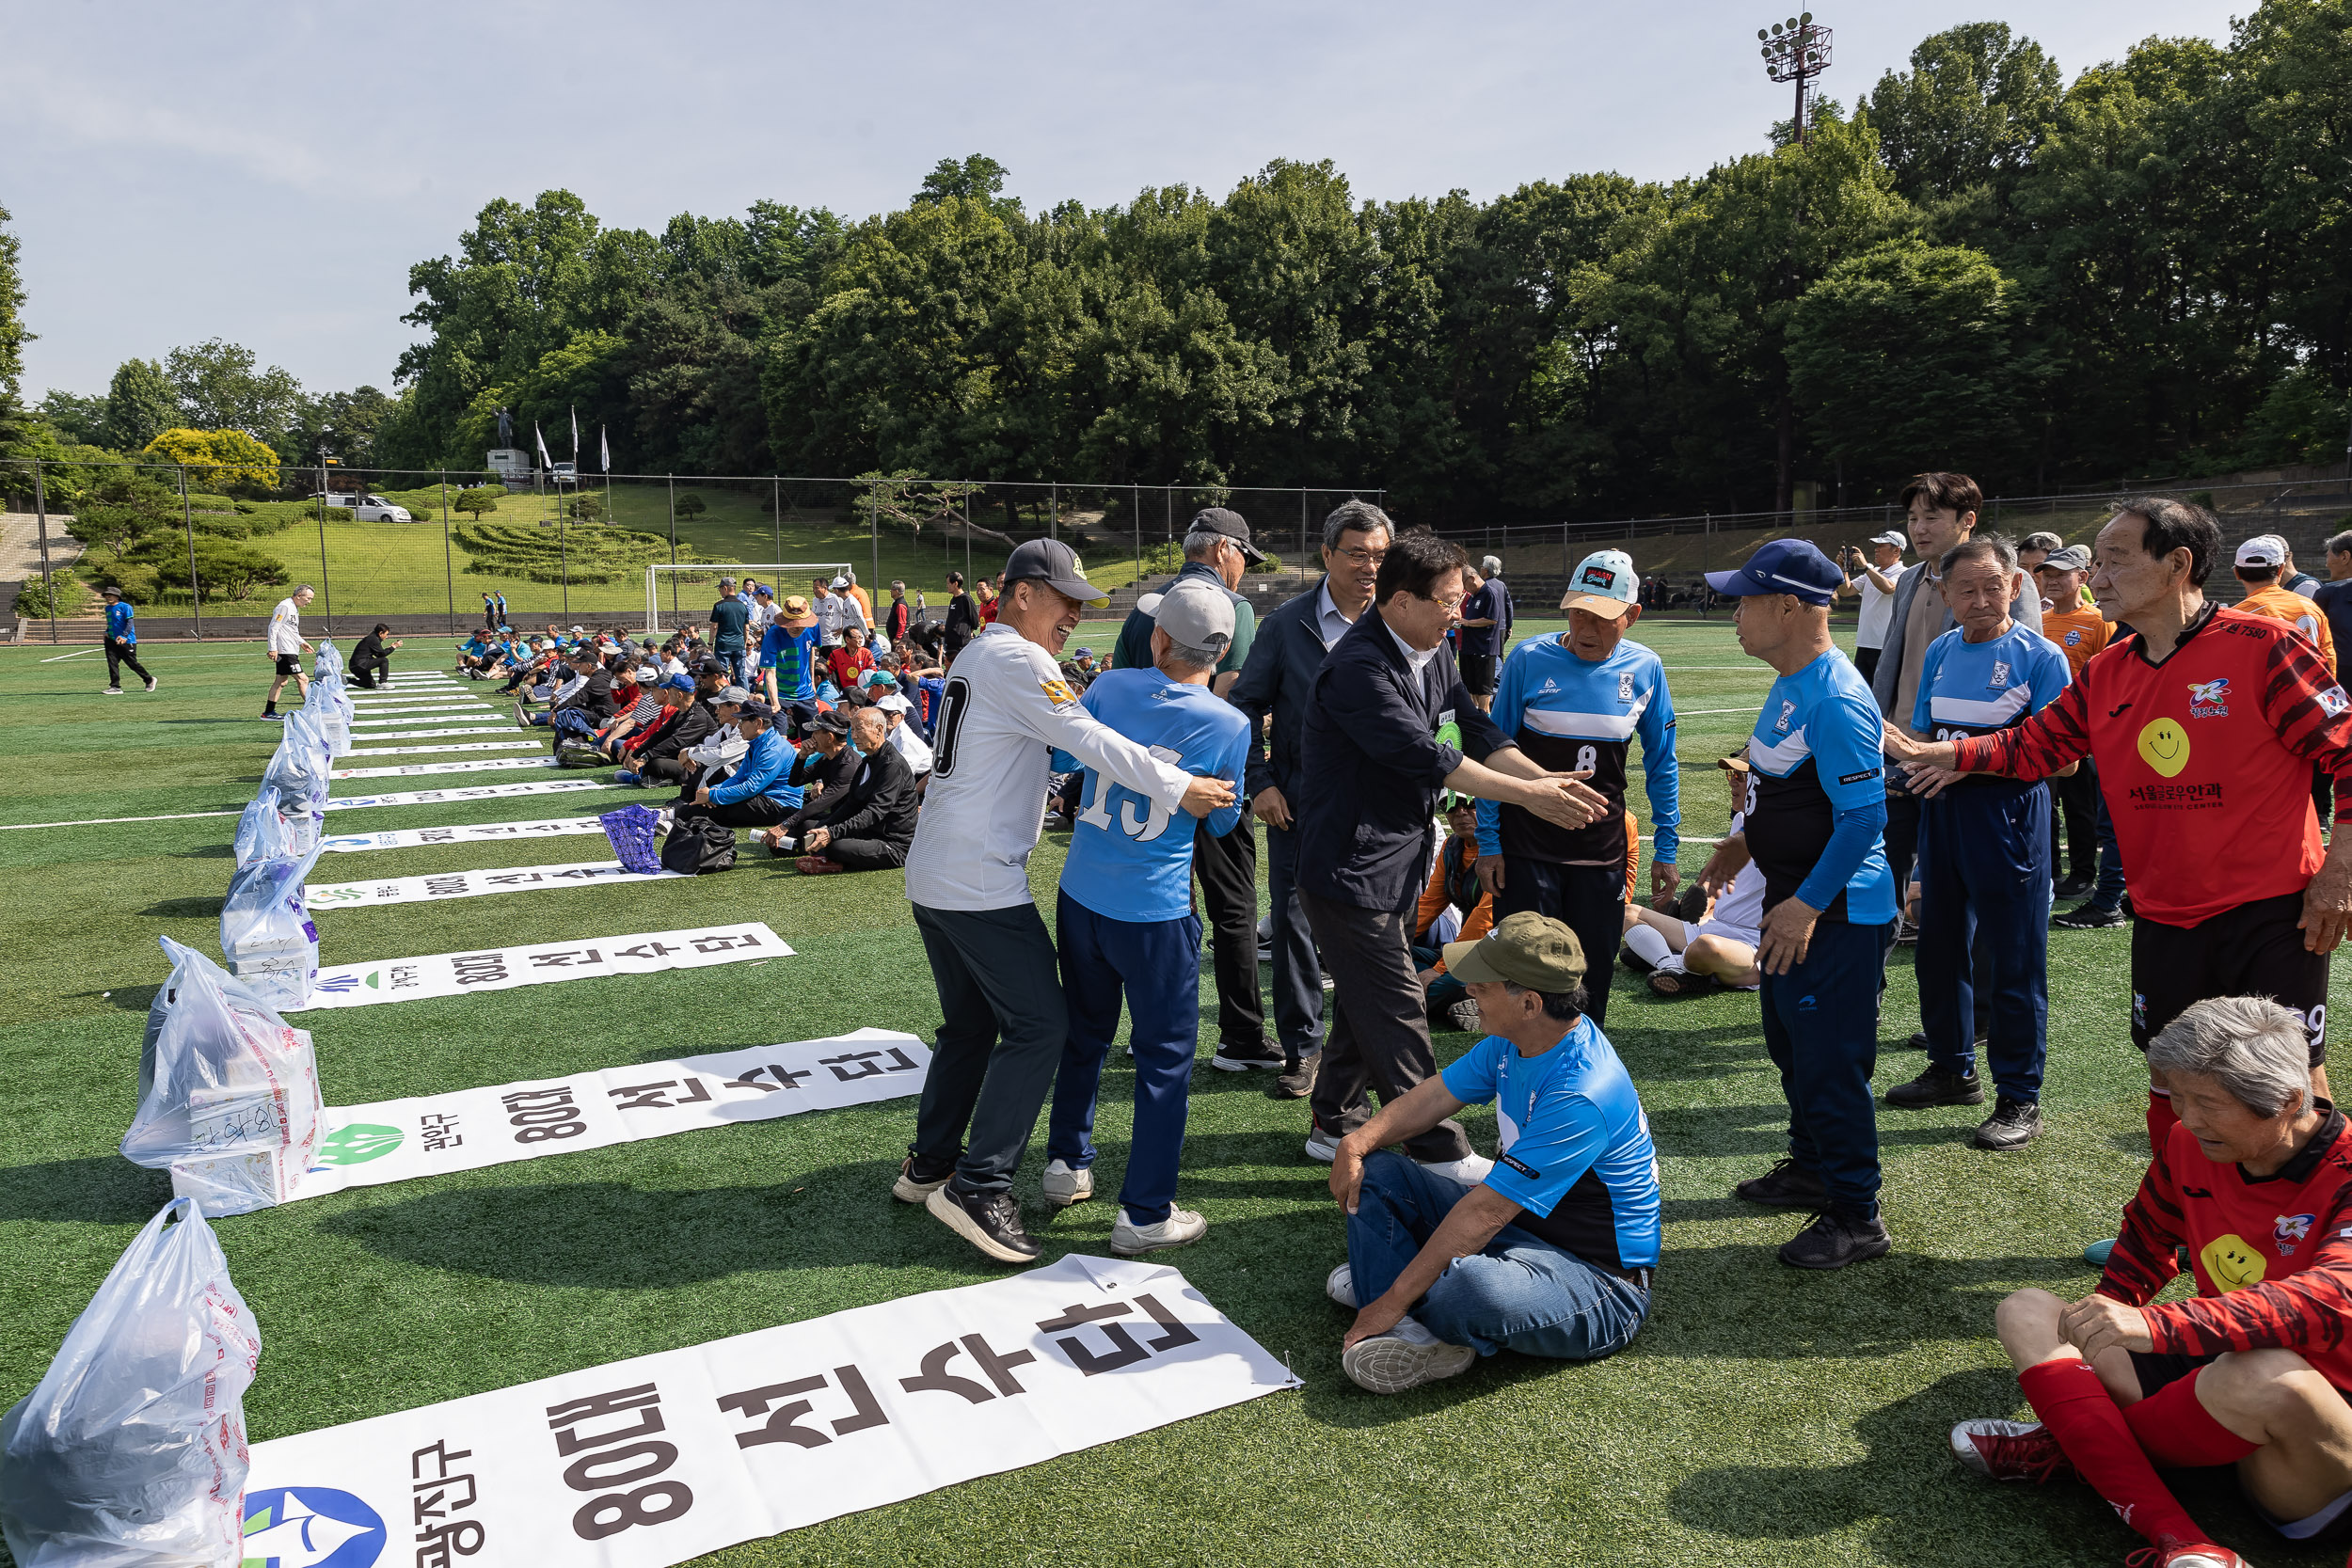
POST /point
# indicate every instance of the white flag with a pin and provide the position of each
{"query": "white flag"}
(574, 438)
(605, 442)
(544, 460)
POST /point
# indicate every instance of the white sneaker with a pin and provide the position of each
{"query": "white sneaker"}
(1340, 1285)
(1469, 1170)
(1405, 1357)
(1322, 1146)
(1181, 1228)
(1064, 1186)
(151, 683)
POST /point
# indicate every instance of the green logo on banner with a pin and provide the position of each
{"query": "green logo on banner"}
(358, 1143)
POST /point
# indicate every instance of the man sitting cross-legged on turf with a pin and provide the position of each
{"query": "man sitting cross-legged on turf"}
(1551, 1253)
(2254, 1182)
(754, 795)
(1125, 915)
(868, 823)
(1719, 947)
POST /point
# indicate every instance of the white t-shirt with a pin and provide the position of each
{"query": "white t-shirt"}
(1878, 610)
(1005, 711)
(835, 611)
(762, 616)
(913, 747)
(285, 627)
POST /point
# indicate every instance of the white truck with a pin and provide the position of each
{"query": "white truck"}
(365, 508)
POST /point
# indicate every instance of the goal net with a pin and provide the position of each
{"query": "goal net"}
(684, 592)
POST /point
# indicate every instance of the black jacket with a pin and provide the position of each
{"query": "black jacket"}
(692, 728)
(1276, 678)
(878, 803)
(1375, 766)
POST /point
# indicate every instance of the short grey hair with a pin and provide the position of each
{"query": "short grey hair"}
(2042, 541)
(304, 588)
(1202, 543)
(2251, 1046)
(1360, 517)
(1195, 659)
(1489, 565)
(2339, 544)
(1980, 546)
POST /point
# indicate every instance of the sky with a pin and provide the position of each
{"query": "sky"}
(268, 173)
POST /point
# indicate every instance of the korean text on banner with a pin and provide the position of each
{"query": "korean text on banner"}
(652, 1460)
(542, 963)
(472, 884)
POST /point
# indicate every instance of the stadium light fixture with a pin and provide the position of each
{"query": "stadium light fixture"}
(1796, 51)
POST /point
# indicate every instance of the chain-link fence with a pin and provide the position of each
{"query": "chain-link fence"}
(207, 553)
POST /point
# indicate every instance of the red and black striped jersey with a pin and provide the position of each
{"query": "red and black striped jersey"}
(2272, 1254)
(2205, 760)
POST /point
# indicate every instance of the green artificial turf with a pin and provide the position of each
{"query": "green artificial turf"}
(1764, 1415)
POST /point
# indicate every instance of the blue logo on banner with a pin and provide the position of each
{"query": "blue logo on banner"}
(310, 1527)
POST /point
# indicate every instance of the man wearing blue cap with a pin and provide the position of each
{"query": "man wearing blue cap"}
(1815, 828)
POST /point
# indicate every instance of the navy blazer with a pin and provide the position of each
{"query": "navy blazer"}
(1276, 678)
(1375, 769)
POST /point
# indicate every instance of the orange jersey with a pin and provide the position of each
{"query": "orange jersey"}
(2078, 633)
(2298, 612)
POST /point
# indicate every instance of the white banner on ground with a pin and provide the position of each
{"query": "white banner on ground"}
(515, 745)
(413, 768)
(472, 884)
(471, 833)
(539, 964)
(435, 713)
(470, 725)
(476, 792)
(661, 1457)
(432, 1134)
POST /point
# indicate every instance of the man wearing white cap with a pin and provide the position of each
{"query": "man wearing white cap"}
(1005, 711)
(1874, 580)
(2261, 561)
(1125, 918)
(1574, 702)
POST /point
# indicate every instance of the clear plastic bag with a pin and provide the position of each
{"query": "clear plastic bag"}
(131, 1450)
(228, 1093)
(266, 929)
(329, 706)
(262, 831)
(298, 771)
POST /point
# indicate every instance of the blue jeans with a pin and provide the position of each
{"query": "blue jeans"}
(1520, 1292)
(737, 661)
(1821, 1029)
(1157, 964)
(571, 721)
(1445, 990)
(1984, 899)
(1297, 993)
(2108, 894)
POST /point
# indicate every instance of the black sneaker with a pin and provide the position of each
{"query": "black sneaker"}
(1835, 1240)
(1937, 1086)
(1242, 1058)
(1906, 933)
(990, 1221)
(1296, 1080)
(2013, 1124)
(2074, 887)
(2090, 917)
(1786, 1185)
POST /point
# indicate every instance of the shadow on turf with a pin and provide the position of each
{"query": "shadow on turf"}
(104, 1189)
(182, 909)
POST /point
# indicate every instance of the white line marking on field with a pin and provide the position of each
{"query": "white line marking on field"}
(99, 821)
(74, 655)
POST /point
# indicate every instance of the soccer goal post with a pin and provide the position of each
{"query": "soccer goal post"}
(690, 586)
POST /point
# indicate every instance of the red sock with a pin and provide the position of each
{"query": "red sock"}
(2160, 1121)
(2176, 1430)
(2085, 1419)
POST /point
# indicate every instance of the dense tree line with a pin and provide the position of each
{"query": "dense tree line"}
(1979, 265)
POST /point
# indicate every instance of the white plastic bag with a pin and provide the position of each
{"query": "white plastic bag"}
(131, 1450)
(228, 1093)
(266, 929)
(329, 706)
(261, 831)
(299, 773)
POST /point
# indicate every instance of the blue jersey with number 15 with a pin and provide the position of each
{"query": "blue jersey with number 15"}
(1130, 859)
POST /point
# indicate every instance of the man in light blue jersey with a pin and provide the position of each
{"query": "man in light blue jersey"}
(1815, 828)
(1126, 921)
(1551, 1252)
(1983, 867)
(1574, 702)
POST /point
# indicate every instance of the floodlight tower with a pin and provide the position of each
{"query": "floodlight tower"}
(1795, 49)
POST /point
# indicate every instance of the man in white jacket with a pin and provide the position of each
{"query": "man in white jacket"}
(1005, 710)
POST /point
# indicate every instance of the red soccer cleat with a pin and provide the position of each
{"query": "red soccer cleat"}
(2171, 1552)
(2011, 1450)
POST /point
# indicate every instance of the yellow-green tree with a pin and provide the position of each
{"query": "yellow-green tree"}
(222, 458)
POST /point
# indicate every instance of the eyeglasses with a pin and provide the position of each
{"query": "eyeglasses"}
(1363, 557)
(1450, 605)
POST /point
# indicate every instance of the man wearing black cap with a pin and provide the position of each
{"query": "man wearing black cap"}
(756, 793)
(1815, 826)
(659, 762)
(868, 823)
(1218, 550)
(1005, 710)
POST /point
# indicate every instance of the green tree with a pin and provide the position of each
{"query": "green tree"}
(218, 388)
(1904, 357)
(1971, 110)
(480, 500)
(78, 417)
(122, 507)
(13, 334)
(141, 404)
(977, 178)
(690, 506)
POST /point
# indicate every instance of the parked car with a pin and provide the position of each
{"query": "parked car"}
(364, 508)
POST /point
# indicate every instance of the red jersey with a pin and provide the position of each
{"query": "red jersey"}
(2204, 760)
(2272, 1254)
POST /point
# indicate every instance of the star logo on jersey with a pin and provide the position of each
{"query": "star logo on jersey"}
(2290, 1228)
(1787, 711)
(2209, 699)
(2074, 638)
(1625, 688)
(2000, 674)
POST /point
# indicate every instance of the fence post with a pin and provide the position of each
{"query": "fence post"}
(1302, 533)
(326, 588)
(873, 533)
(1053, 514)
(449, 565)
(673, 482)
(779, 515)
(564, 553)
(187, 521)
(41, 516)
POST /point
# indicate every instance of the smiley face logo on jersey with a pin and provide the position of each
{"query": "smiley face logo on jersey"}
(2164, 746)
(2230, 1263)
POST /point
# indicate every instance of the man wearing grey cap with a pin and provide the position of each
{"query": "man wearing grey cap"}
(1006, 709)
(1125, 919)
(1217, 550)
(1874, 580)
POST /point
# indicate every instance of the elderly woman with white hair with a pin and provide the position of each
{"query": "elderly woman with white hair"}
(2255, 1185)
